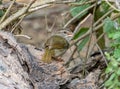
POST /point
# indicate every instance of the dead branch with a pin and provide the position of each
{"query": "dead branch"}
(16, 15)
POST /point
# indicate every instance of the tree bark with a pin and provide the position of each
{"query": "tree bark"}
(21, 68)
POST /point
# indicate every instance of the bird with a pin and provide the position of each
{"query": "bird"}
(56, 45)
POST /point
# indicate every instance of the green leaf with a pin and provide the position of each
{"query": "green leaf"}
(80, 32)
(103, 9)
(110, 35)
(0, 1)
(118, 72)
(117, 53)
(117, 42)
(109, 69)
(118, 83)
(114, 63)
(118, 59)
(77, 9)
(108, 83)
(112, 86)
(1, 13)
(114, 35)
(82, 43)
(109, 26)
(107, 55)
(112, 77)
(117, 87)
(118, 20)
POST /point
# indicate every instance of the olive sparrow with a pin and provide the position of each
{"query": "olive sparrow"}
(55, 46)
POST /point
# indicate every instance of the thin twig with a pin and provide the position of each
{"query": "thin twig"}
(46, 23)
(17, 24)
(33, 9)
(74, 18)
(53, 24)
(91, 33)
(95, 29)
(16, 15)
(80, 4)
(112, 6)
(6, 5)
(102, 54)
(62, 2)
(79, 25)
(26, 36)
(25, 11)
(89, 42)
(97, 41)
(70, 58)
(101, 18)
(8, 10)
(47, 4)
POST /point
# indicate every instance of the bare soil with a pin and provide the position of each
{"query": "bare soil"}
(35, 25)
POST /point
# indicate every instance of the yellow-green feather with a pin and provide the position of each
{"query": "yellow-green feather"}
(47, 56)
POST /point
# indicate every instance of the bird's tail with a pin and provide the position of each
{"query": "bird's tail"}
(47, 56)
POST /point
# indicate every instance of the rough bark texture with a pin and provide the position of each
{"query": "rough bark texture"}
(12, 75)
(21, 68)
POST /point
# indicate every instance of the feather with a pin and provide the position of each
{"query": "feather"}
(47, 56)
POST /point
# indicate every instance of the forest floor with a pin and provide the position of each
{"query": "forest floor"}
(36, 25)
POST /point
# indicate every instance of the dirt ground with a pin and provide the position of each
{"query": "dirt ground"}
(35, 25)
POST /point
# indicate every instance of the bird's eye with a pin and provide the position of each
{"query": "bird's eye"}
(65, 32)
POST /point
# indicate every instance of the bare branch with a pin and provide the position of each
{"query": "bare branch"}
(16, 15)
(6, 13)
